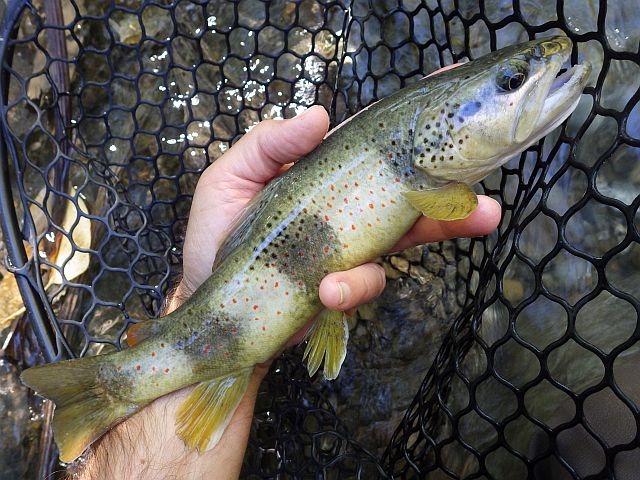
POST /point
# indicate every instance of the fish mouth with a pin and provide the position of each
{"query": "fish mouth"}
(563, 96)
(565, 90)
(566, 79)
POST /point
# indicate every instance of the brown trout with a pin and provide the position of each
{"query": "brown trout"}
(416, 152)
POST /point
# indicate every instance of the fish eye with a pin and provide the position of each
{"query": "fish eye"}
(512, 75)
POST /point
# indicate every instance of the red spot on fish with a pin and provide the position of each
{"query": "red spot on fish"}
(153, 354)
(304, 210)
(353, 227)
(234, 329)
(138, 367)
(326, 249)
(261, 287)
(392, 201)
(356, 184)
(264, 328)
(234, 300)
(371, 205)
(332, 188)
(278, 312)
(329, 205)
(286, 293)
(255, 307)
(369, 225)
(371, 192)
(384, 189)
(153, 369)
(383, 205)
(346, 200)
(206, 348)
(299, 284)
(222, 305)
(326, 218)
(166, 370)
(276, 284)
(345, 245)
(371, 178)
(301, 254)
(397, 180)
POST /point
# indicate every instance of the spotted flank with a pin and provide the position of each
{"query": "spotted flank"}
(416, 152)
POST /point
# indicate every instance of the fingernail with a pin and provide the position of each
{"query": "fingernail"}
(345, 292)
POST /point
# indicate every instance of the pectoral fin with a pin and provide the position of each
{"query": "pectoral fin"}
(327, 340)
(453, 201)
(202, 418)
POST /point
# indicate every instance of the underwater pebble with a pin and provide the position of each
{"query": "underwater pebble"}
(400, 263)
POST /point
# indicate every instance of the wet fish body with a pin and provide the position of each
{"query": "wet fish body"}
(415, 152)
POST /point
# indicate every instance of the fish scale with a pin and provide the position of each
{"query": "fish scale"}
(349, 201)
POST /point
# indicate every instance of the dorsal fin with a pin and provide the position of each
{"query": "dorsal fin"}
(240, 229)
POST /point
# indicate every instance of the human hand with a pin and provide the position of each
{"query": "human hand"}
(223, 191)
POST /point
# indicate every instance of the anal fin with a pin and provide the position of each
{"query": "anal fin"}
(453, 201)
(203, 416)
(328, 339)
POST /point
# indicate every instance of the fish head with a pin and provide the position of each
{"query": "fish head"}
(496, 107)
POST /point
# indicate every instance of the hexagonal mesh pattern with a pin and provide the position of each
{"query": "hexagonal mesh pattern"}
(113, 109)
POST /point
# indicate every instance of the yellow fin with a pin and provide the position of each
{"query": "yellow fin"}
(453, 201)
(327, 340)
(203, 416)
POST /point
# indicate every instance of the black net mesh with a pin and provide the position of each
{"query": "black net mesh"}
(506, 357)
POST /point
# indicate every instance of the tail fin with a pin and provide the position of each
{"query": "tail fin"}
(85, 409)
